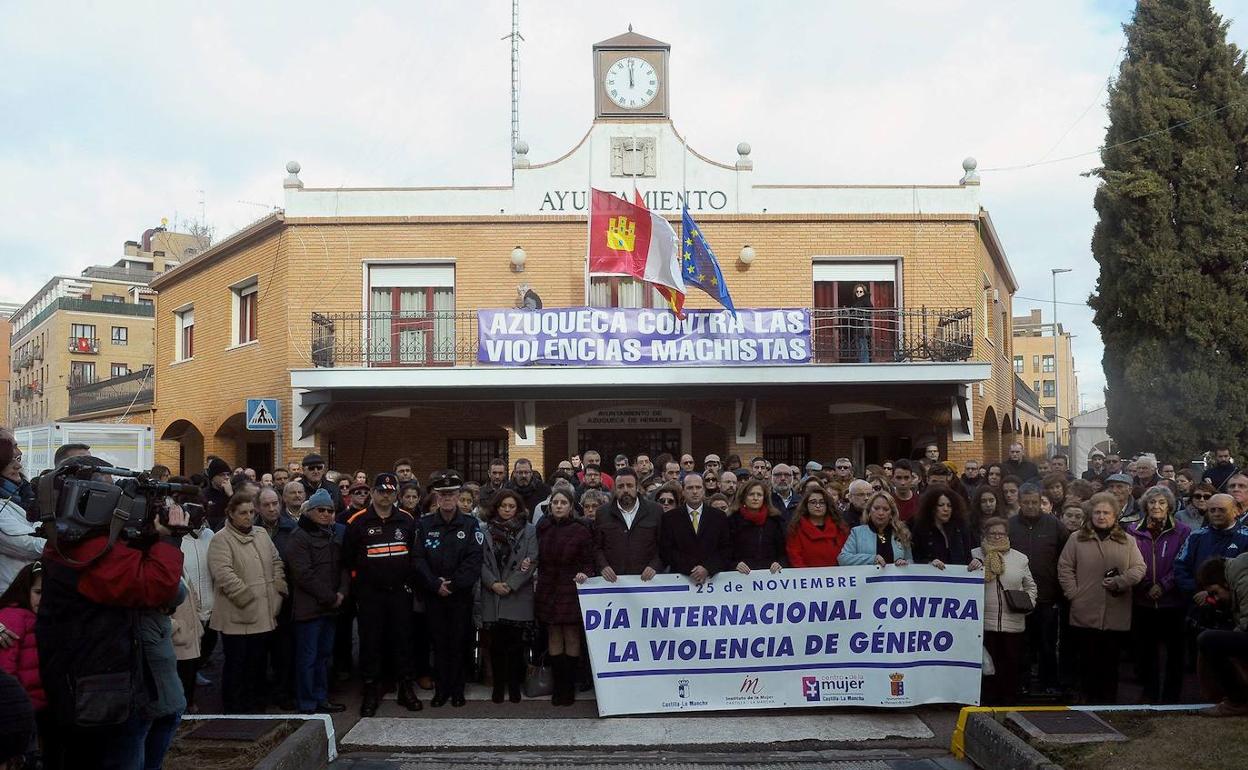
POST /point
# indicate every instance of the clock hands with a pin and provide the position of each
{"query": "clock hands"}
(630, 74)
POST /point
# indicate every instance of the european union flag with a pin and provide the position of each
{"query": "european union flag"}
(698, 263)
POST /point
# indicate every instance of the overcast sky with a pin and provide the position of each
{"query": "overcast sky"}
(118, 114)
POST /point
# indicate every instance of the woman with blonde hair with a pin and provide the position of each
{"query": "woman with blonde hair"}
(882, 537)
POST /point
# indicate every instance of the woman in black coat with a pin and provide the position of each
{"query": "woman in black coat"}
(565, 553)
(942, 534)
(756, 530)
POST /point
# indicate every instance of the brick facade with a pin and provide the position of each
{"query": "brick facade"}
(305, 266)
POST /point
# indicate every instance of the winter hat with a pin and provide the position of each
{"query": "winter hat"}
(319, 499)
(17, 719)
(1120, 478)
(217, 466)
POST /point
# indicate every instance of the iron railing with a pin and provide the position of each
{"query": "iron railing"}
(891, 335)
(114, 393)
(449, 338)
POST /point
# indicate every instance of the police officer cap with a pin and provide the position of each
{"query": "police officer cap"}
(445, 481)
(387, 482)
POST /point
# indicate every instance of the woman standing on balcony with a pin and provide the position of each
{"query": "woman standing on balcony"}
(860, 323)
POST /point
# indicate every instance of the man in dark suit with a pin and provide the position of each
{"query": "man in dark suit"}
(694, 538)
(626, 532)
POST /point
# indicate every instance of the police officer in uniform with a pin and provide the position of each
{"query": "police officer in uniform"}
(447, 558)
(378, 550)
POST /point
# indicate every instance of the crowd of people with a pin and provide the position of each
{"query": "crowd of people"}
(445, 580)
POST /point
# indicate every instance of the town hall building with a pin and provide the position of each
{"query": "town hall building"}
(359, 310)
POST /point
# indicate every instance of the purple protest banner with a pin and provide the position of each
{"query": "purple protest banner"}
(591, 336)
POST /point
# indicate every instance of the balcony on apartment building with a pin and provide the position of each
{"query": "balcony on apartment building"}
(131, 391)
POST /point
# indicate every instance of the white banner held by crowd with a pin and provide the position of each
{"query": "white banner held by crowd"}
(861, 636)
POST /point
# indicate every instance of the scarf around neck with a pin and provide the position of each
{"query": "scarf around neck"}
(755, 516)
(994, 559)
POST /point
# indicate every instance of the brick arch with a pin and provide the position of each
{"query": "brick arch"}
(190, 445)
(992, 436)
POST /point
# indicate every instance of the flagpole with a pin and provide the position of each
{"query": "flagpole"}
(589, 209)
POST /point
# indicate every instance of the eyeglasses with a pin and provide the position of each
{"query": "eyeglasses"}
(877, 488)
(686, 462)
(323, 510)
(816, 502)
(314, 467)
(667, 501)
(1201, 497)
(850, 467)
(888, 467)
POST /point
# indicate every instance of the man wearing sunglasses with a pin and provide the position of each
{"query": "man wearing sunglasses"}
(314, 479)
(1223, 537)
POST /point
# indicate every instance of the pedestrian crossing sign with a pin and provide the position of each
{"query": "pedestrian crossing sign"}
(262, 414)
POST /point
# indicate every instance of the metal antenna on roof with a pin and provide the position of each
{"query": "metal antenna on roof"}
(515, 37)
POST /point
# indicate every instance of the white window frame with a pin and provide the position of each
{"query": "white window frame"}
(400, 273)
(182, 318)
(867, 268)
(244, 288)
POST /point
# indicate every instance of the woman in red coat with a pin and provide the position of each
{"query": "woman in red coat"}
(18, 607)
(815, 538)
(565, 555)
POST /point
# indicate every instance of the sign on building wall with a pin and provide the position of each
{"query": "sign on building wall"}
(585, 336)
(840, 636)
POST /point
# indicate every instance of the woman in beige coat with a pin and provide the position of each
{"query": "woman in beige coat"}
(1097, 570)
(249, 585)
(1005, 569)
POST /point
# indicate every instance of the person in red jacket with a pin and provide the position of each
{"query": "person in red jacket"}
(815, 538)
(18, 606)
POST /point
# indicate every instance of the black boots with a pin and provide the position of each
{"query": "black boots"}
(507, 663)
(563, 672)
(372, 699)
(407, 695)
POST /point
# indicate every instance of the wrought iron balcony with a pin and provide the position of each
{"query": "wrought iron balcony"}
(133, 390)
(84, 345)
(449, 338)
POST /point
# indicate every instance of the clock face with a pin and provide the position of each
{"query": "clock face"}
(631, 83)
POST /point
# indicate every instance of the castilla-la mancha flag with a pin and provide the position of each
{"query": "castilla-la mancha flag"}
(627, 239)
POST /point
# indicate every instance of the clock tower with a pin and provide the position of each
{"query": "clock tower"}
(630, 77)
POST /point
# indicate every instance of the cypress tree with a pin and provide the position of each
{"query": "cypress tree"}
(1172, 238)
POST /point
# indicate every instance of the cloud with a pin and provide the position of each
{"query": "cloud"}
(122, 113)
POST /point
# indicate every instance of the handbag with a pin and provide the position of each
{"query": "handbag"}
(539, 682)
(1019, 601)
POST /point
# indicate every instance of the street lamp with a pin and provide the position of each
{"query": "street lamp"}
(1057, 380)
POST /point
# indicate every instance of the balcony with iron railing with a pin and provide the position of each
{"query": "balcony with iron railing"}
(132, 390)
(84, 345)
(450, 338)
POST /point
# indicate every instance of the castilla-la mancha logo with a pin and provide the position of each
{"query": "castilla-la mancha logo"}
(896, 685)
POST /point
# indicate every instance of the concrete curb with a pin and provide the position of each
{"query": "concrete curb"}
(304, 749)
(989, 744)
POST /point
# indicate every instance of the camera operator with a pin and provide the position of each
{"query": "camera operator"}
(103, 660)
